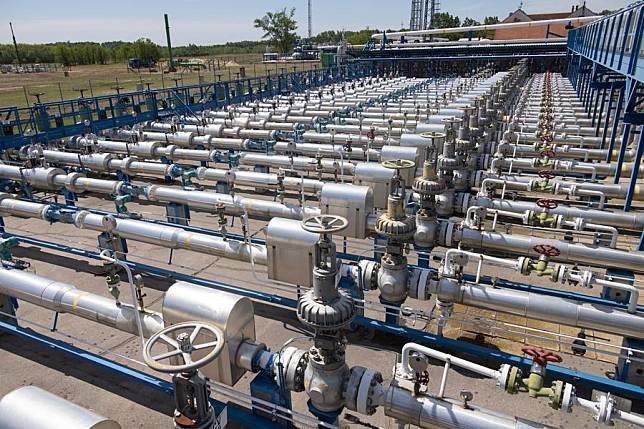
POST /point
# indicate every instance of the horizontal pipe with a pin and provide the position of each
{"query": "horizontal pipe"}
(65, 298)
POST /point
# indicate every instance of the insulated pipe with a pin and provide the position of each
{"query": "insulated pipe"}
(560, 166)
(234, 205)
(170, 237)
(608, 189)
(626, 220)
(30, 407)
(430, 412)
(551, 309)
(65, 298)
(258, 180)
(571, 253)
(297, 163)
(329, 150)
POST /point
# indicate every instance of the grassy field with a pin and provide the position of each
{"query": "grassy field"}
(102, 79)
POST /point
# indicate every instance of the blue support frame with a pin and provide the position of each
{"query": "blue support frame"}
(236, 414)
(410, 334)
(50, 121)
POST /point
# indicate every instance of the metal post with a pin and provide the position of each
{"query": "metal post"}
(606, 119)
(636, 168)
(167, 35)
(622, 153)
(613, 133)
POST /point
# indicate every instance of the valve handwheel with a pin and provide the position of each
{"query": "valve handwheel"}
(398, 164)
(547, 203)
(548, 153)
(541, 356)
(547, 174)
(324, 224)
(546, 250)
(184, 339)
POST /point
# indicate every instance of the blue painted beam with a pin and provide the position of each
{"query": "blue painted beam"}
(635, 173)
(235, 414)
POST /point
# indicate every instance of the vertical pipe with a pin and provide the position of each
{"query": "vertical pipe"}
(167, 35)
(636, 168)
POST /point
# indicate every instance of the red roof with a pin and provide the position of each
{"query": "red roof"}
(546, 16)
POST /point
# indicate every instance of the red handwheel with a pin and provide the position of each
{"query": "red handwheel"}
(541, 356)
(547, 174)
(546, 250)
(547, 153)
(547, 203)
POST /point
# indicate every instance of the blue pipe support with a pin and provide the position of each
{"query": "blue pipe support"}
(622, 152)
(66, 215)
(409, 334)
(235, 414)
(636, 170)
(613, 133)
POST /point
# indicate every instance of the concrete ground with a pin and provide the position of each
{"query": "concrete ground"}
(25, 363)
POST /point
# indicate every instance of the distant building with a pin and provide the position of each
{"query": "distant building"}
(539, 31)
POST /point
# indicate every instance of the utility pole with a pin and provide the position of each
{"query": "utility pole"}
(15, 45)
(167, 35)
(310, 19)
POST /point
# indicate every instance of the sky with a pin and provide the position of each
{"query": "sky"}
(216, 21)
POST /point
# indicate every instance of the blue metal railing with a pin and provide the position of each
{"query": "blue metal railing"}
(55, 120)
(614, 42)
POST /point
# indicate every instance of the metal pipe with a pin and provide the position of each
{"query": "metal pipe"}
(431, 412)
(30, 407)
(569, 252)
(65, 298)
(540, 307)
(169, 237)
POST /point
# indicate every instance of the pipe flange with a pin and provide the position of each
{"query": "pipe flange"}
(361, 389)
(294, 363)
(325, 316)
(402, 229)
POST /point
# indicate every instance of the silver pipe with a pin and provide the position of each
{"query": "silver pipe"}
(432, 412)
(626, 220)
(30, 407)
(258, 180)
(65, 298)
(170, 237)
(570, 253)
(541, 307)
(235, 205)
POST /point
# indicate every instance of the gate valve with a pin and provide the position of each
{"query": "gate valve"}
(371, 134)
(233, 159)
(281, 190)
(112, 280)
(535, 381)
(186, 178)
(222, 221)
(120, 202)
(541, 357)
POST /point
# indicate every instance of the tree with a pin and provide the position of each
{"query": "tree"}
(280, 28)
(490, 20)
